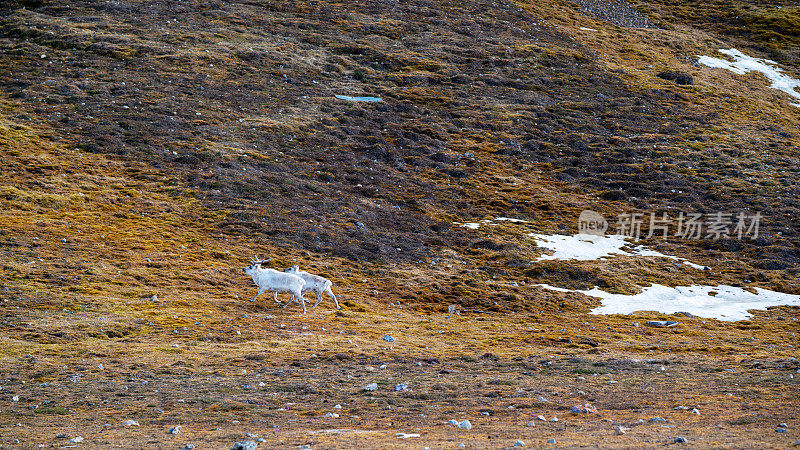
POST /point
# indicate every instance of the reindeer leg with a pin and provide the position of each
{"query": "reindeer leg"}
(260, 291)
(303, 302)
(330, 292)
(319, 299)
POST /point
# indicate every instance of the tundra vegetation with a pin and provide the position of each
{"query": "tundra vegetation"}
(147, 144)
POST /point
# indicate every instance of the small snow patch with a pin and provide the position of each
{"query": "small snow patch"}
(406, 435)
(743, 64)
(358, 99)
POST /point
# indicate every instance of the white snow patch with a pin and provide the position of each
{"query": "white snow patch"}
(588, 247)
(716, 302)
(407, 435)
(509, 219)
(586, 29)
(743, 64)
(475, 226)
(581, 247)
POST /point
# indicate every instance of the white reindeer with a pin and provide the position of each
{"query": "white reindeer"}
(277, 281)
(314, 283)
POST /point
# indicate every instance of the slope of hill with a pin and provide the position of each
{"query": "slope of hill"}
(150, 147)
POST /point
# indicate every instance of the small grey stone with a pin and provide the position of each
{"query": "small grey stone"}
(76, 440)
(244, 445)
(796, 443)
(620, 430)
(519, 443)
(130, 423)
(465, 424)
(661, 323)
(551, 441)
(680, 440)
(189, 447)
(695, 411)
(783, 425)
(401, 387)
(461, 445)
(531, 424)
(656, 419)
(175, 430)
(371, 387)
(780, 430)
(251, 435)
(388, 338)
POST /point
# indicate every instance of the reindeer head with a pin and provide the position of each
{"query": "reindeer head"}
(255, 265)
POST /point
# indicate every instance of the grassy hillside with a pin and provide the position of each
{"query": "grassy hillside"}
(150, 147)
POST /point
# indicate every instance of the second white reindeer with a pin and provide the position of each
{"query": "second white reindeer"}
(276, 281)
(315, 283)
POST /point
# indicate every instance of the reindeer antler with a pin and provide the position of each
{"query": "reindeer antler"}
(257, 260)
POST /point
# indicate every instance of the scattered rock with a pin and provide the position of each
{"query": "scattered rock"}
(680, 440)
(15, 398)
(331, 415)
(401, 387)
(519, 443)
(388, 338)
(154, 298)
(130, 423)
(620, 430)
(453, 422)
(461, 445)
(584, 409)
(796, 443)
(245, 445)
(656, 419)
(541, 417)
(695, 411)
(531, 424)
(780, 430)
(551, 441)
(371, 387)
(661, 323)
(554, 419)
(678, 77)
(76, 440)
(783, 425)
(175, 430)
(465, 425)
(189, 447)
(337, 407)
